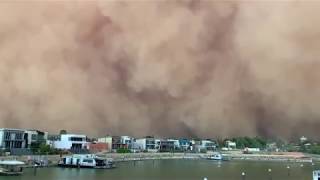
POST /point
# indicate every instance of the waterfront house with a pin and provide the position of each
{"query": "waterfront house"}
(164, 145)
(12, 139)
(167, 145)
(95, 147)
(185, 144)
(303, 139)
(230, 145)
(127, 141)
(107, 140)
(117, 142)
(204, 145)
(145, 144)
(176, 143)
(33, 138)
(73, 142)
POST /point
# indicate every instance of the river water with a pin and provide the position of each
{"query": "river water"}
(177, 169)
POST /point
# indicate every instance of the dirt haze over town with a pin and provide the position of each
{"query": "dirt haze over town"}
(167, 68)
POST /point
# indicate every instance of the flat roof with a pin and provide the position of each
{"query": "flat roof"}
(83, 135)
(11, 162)
(12, 129)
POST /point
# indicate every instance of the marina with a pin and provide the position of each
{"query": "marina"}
(179, 169)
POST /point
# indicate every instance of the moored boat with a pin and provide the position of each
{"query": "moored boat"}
(215, 157)
(86, 161)
(316, 175)
(11, 168)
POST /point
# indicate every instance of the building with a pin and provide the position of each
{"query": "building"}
(164, 145)
(33, 138)
(204, 145)
(127, 141)
(185, 144)
(71, 142)
(117, 142)
(96, 147)
(176, 143)
(231, 145)
(12, 139)
(145, 144)
(303, 139)
(107, 140)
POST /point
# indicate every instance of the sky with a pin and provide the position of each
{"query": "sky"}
(178, 68)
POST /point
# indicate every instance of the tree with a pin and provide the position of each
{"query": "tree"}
(256, 142)
(63, 131)
(45, 149)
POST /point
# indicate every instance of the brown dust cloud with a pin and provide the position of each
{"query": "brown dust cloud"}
(161, 67)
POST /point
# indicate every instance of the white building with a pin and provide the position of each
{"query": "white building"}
(316, 175)
(145, 144)
(176, 143)
(303, 139)
(12, 138)
(71, 142)
(126, 140)
(231, 145)
(205, 145)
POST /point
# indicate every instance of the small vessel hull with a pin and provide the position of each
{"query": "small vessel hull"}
(88, 167)
(217, 157)
(2, 173)
(11, 168)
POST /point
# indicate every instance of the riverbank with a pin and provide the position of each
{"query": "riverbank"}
(52, 160)
(177, 169)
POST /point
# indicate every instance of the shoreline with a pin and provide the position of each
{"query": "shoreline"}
(52, 160)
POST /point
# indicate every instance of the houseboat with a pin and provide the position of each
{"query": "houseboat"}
(11, 168)
(86, 161)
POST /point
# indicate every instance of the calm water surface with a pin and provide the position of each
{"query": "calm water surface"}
(178, 169)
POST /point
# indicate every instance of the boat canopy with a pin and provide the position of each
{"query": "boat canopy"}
(11, 163)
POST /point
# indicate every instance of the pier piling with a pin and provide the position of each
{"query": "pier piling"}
(270, 174)
(35, 170)
(243, 175)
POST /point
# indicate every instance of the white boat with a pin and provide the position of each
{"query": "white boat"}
(316, 175)
(11, 168)
(86, 161)
(216, 157)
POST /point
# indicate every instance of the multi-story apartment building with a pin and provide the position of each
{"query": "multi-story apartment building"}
(12, 139)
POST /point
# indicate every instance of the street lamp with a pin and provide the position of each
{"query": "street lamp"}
(288, 168)
(270, 175)
(243, 175)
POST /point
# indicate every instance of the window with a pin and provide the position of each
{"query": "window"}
(7, 144)
(150, 142)
(18, 136)
(7, 135)
(76, 139)
(88, 161)
(34, 137)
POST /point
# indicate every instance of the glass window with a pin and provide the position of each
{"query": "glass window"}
(76, 139)
(34, 137)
